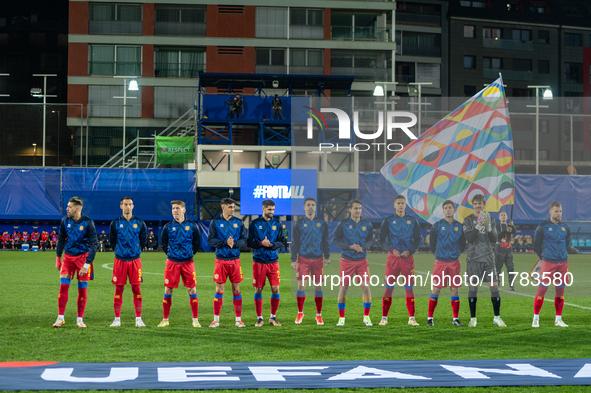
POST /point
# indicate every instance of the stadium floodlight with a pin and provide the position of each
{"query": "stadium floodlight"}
(547, 95)
(133, 85)
(378, 91)
(37, 92)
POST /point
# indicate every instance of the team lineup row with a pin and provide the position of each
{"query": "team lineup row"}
(487, 243)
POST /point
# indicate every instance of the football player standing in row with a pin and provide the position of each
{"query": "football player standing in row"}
(447, 243)
(180, 242)
(227, 234)
(400, 237)
(551, 243)
(503, 249)
(265, 237)
(77, 238)
(481, 234)
(128, 236)
(354, 236)
(309, 243)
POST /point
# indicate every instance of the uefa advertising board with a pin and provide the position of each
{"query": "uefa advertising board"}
(286, 187)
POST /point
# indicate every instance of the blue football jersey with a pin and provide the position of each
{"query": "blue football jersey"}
(349, 232)
(447, 241)
(180, 241)
(220, 231)
(128, 238)
(273, 231)
(310, 239)
(400, 233)
(552, 241)
(77, 238)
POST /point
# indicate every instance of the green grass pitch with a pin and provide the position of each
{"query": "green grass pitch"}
(30, 286)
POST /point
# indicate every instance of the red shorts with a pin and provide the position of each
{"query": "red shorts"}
(446, 274)
(71, 265)
(123, 269)
(260, 271)
(310, 267)
(224, 269)
(554, 273)
(398, 266)
(174, 270)
(348, 269)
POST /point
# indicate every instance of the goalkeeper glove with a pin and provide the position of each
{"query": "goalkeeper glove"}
(58, 263)
(486, 222)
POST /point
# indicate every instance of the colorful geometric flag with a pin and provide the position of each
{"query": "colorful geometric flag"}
(468, 152)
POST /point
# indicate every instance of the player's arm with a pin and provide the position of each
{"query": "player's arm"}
(338, 238)
(462, 240)
(241, 242)
(92, 241)
(470, 230)
(196, 238)
(492, 235)
(383, 236)
(113, 234)
(567, 245)
(369, 240)
(278, 243)
(252, 241)
(539, 240)
(212, 237)
(295, 243)
(61, 241)
(164, 238)
(143, 235)
(416, 237)
(325, 242)
(433, 237)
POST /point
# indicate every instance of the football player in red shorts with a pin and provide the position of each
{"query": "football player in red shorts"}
(128, 236)
(180, 242)
(227, 234)
(551, 243)
(354, 236)
(77, 238)
(309, 243)
(400, 237)
(265, 237)
(447, 243)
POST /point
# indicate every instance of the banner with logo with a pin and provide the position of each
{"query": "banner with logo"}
(174, 150)
(288, 188)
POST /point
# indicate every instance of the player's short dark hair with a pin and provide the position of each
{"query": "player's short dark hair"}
(399, 197)
(555, 204)
(478, 197)
(449, 202)
(180, 203)
(267, 203)
(127, 197)
(352, 202)
(309, 199)
(227, 201)
(76, 201)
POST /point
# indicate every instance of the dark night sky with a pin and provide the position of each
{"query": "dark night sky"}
(48, 9)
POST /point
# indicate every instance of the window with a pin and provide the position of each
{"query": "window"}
(573, 72)
(474, 3)
(544, 126)
(102, 102)
(573, 101)
(571, 39)
(570, 8)
(516, 92)
(115, 60)
(105, 18)
(421, 44)
(522, 64)
(270, 56)
(544, 154)
(271, 22)
(543, 66)
(521, 35)
(171, 102)
(306, 23)
(178, 63)
(469, 61)
(494, 63)
(363, 64)
(468, 31)
(543, 36)
(523, 154)
(539, 7)
(180, 20)
(469, 91)
(491, 33)
(306, 57)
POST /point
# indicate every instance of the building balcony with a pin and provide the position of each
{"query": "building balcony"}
(306, 70)
(178, 70)
(507, 44)
(364, 73)
(270, 69)
(490, 73)
(180, 29)
(429, 20)
(349, 33)
(116, 27)
(114, 68)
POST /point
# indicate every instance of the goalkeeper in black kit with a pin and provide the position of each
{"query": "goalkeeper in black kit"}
(481, 234)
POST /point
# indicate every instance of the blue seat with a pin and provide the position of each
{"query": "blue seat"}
(581, 243)
(588, 243)
(573, 243)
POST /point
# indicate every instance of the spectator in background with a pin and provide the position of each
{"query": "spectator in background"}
(35, 236)
(26, 239)
(152, 244)
(53, 237)
(285, 235)
(236, 107)
(277, 108)
(103, 241)
(16, 240)
(6, 240)
(44, 240)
